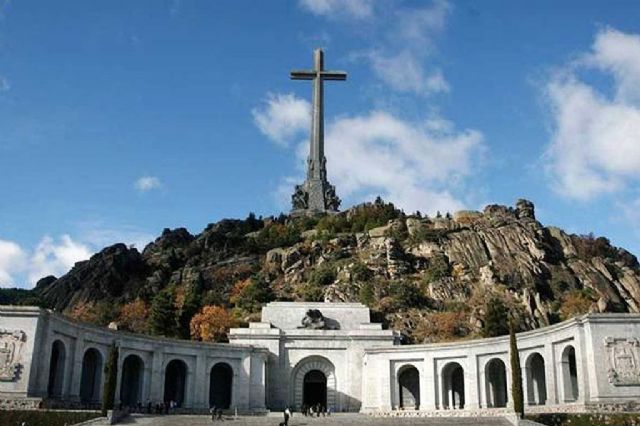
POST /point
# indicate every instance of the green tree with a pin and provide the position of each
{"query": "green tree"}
(162, 318)
(190, 307)
(495, 318)
(111, 374)
(516, 372)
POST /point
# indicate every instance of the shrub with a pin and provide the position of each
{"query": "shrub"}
(574, 303)
(495, 318)
(310, 292)
(438, 268)
(366, 295)
(251, 294)
(323, 275)
(441, 327)
(212, 323)
(361, 273)
(134, 316)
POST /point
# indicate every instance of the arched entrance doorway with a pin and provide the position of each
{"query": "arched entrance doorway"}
(56, 369)
(90, 380)
(317, 387)
(453, 386)
(175, 380)
(496, 383)
(131, 381)
(536, 380)
(409, 388)
(314, 390)
(569, 374)
(220, 385)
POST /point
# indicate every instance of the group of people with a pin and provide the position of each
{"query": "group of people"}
(165, 407)
(216, 413)
(316, 410)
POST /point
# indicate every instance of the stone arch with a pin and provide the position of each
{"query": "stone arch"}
(495, 375)
(453, 386)
(131, 380)
(569, 374)
(536, 379)
(57, 361)
(409, 387)
(91, 378)
(175, 381)
(307, 365)
(220, 385)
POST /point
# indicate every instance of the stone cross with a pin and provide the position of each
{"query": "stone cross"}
(316, 194)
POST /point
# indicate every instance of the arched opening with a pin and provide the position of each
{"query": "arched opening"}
(536, 380)
(453, 386)
(496, 383)
(569, 374)
(131, 380)
(175, 380)
(409, 387)
(220, 385)
(56, 369)
(314, 390)
(303, 385)
(91, 378)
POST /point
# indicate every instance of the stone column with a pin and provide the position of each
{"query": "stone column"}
(155, 390)
(75, 373)
(428, 388)
(385, 384)
(201, 399)
(258, 383)
(472, 401)
(551, 374)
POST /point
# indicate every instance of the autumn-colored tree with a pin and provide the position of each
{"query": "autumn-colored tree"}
(212, 324)
(441, 327)
(134, 316)
(84, 312)
(251, 294)
(575, 303)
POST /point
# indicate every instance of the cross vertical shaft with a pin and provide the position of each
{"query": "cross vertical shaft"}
(316, 194)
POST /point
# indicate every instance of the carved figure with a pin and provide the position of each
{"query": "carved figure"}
(11, 342)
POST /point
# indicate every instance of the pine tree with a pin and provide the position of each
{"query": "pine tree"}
(495, 318)
(190, 307)
(111, 375)
(516, 372)
(162, 318)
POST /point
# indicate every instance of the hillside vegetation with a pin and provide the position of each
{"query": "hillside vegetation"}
(432, 278)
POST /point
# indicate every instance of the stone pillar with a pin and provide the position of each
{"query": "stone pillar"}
(201, 398)
(551, 374)
(385, 384)
(471, 400)
(428, 388)
(75, 372)
(155, 374)
(258, 382)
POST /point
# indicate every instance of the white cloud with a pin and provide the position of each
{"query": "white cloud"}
(282, 116)
(405, 72)
(12, 260)
(595, 145)
(51, 258)
(147, 183)
(414, 164)
(359, 9)
(48, 258)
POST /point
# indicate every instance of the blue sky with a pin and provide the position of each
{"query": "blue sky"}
(120, 118)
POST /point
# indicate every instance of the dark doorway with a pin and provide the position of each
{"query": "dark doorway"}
(56, 370)
(91, 377)
(175, 379)
(220, 384)
(315, 388)
(409, 384)
(131, 382)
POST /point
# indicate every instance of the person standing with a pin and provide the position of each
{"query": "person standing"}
(287, 416)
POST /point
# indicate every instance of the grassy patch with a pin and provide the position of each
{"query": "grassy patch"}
(44, 417)
(621, 419)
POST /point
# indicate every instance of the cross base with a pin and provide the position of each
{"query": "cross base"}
(315, 196)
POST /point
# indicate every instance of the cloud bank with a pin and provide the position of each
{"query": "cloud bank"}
(595, 144)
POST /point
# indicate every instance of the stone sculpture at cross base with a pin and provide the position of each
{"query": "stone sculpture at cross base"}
(316, 194)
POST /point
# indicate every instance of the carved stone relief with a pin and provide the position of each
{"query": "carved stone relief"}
(11, 343)
(623, 358)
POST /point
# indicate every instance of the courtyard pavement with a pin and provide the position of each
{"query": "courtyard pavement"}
(299, 420)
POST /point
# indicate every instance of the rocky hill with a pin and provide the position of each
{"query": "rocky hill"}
(432, 278)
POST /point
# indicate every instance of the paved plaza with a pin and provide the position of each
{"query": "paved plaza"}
(299, 420)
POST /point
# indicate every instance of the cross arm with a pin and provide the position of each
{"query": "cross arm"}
(303, 75)
(333, 75)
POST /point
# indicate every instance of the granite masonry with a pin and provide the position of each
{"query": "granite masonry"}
(322, 353)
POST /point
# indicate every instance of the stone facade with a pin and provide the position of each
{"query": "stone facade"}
(325, 353)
